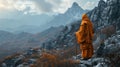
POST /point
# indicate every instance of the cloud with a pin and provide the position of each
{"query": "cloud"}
(42, 6)
(5, 5)
(89, 5)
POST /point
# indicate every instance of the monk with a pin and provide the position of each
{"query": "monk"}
(84, 37)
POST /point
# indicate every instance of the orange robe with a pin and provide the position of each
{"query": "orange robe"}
(84, 37)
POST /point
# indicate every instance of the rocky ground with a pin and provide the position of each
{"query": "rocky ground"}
(107, 55)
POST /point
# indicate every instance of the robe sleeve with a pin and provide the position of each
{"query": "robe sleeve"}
(81, 33)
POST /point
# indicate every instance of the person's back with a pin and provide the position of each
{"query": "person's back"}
(84, 37)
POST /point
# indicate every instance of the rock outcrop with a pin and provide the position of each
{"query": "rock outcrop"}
(106, 13)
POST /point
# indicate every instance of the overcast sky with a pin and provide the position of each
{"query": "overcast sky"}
(8, 7)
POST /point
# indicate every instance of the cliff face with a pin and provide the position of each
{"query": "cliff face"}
(106, 13)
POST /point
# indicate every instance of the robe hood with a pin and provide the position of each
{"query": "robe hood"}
(85, 17)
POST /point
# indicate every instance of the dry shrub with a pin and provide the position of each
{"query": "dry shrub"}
(32, 65)
(50, 60)
(35, 56)
(71, 51)
(11, 56)
(46, 60)
(108, 31)
(114, 59)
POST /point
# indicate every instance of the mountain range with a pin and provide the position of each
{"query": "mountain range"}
(39, 23)
(73, 14)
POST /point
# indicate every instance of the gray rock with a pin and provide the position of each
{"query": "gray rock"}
(4, 65)
(82, 65)
(101, 65)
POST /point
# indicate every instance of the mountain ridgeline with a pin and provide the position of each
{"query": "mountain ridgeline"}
(39, 23)
(73, 13)
(106, 13)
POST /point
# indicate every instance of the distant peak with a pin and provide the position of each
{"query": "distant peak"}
(101, 0)
(75, 4)
(101, 3)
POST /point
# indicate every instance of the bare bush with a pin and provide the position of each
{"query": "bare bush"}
(49, 60)
(108, 31)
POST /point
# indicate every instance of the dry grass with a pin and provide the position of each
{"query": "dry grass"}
(49, 60)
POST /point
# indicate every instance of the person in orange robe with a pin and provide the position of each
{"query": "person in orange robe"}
(84, 37)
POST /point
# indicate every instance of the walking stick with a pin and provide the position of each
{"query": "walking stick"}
(76, 49)
(76, 46)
